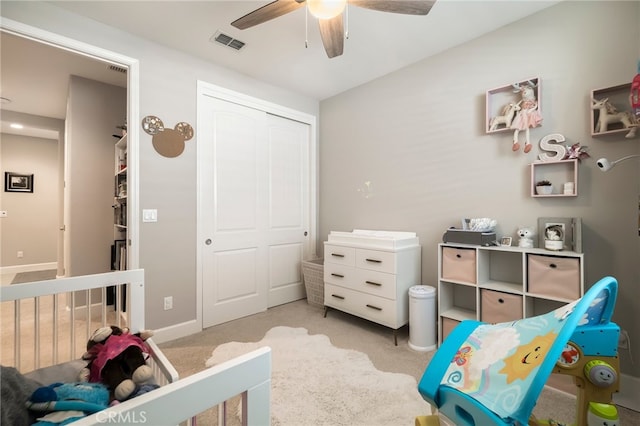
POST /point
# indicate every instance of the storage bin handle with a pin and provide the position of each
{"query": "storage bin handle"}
(333, 274)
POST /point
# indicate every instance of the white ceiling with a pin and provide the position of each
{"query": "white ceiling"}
(378, 43)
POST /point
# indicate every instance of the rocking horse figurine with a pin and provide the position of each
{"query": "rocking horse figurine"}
(609, 114)
(506, 117)
(527, 117)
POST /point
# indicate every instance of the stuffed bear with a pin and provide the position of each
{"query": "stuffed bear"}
(63, 403)
(117, 359)
(526, 235)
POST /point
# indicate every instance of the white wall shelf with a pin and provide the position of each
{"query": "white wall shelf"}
(556, 172)
(498, 98)
(618, 96)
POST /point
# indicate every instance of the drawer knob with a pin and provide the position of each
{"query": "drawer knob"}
(374, 307)
(374, 260)
(459, 256)
(553, 265)
(373, 283)
(501, 300)
(337, 296)
(337, 275)
(337, 255)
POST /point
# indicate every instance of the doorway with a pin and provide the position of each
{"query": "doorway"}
(89, 54)
(256, 203)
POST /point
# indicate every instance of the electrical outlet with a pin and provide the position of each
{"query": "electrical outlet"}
(623, 340)
(168, 303)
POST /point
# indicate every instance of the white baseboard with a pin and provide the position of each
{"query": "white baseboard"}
(176, 331)
(629, 395)
(16, 269)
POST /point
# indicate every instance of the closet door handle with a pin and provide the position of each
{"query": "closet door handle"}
(337, 296)
(373, 283)
(337, 275)
(337, 255)
(374, 307)
(374, 260)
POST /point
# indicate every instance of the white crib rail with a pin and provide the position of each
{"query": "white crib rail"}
(48, 322)
(248, 375)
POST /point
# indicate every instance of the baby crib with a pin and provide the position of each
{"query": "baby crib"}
(46, 324)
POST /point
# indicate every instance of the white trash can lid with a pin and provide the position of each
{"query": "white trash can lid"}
(422, 291)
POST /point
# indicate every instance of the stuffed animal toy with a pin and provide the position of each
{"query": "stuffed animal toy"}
(526, 235)
(65, 403)
(117, 359)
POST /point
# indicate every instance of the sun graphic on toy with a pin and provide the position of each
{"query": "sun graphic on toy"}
(527, 357)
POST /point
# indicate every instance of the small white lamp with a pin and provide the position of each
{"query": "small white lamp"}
(605, 165)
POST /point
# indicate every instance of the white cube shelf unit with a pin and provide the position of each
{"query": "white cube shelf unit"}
(499, 284)
(499, 98)
(556, 172)
(618, 96)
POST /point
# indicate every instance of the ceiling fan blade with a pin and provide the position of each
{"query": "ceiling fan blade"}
(266, 13)
(406, 7)
(332, 33)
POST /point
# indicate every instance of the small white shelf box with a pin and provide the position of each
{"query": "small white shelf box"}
(556, 172)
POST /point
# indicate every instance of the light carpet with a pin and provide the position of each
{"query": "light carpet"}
(315, 383)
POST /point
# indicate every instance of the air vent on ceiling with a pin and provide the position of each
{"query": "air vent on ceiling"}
(118, 69)
(227, 40)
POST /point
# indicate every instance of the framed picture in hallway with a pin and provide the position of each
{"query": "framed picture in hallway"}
(17, 182)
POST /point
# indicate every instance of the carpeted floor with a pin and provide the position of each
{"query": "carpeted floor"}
(26, 277)
(190, 354)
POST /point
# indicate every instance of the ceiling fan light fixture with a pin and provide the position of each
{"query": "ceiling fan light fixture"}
(326, 9)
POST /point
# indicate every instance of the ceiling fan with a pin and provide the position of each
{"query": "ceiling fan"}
(329, 14)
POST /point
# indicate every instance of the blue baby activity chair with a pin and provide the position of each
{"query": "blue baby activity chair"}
(492, 374)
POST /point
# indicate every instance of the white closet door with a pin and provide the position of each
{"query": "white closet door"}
(255, 209)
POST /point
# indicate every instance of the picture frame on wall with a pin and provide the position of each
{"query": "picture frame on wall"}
(560, 233)
(18, 182)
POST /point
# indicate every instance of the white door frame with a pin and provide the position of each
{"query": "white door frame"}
(133, 101)
(204, 88)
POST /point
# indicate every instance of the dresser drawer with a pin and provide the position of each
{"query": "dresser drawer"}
(377, 309)
(339, 274)
(374, 260)
(496, 306)
(376, 283)
(339, 255)
(554, 276)
(459, 264)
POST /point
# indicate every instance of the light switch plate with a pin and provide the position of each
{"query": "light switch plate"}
(149, 215)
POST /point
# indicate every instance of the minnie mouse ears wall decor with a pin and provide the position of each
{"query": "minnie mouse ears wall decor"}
(167, 142)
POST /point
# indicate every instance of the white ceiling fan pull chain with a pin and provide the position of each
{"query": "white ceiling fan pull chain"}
(306, 26)
(346, 18)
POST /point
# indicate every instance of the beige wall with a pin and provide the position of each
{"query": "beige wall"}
(31, 224)
(418, 137)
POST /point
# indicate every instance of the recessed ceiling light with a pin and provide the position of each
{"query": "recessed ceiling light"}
(16, 126)
(4, 100)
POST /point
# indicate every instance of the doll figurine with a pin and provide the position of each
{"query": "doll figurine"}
(527, 117)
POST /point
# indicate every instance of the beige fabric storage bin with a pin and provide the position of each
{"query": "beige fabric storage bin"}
(448, 324)
(554, 276)
(459, 264)
(496, 306)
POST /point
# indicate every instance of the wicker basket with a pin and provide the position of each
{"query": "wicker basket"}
(313, 273)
